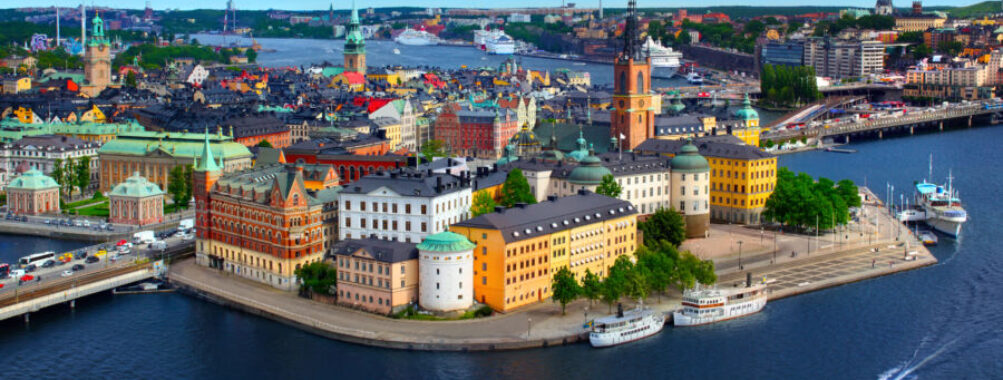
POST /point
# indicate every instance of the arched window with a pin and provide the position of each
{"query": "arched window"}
(640, 82)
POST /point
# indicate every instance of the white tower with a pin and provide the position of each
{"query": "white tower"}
(445, 272)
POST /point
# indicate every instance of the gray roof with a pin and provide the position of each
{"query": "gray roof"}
(409, 182)
(726, 146)
(553, 215)
(385, 251)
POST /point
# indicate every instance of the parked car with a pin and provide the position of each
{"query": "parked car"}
(92, 260)
(49, 264)
(67, 273)
(77, 267)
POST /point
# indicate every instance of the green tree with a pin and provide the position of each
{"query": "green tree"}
(176, 185)
(655, 30)
(130, 79)
(483, 204)
(848, 190)
(264, 144)
(664, 224)
(659, 267)
(252, 55)
(68, 176)
(564, 288)
(82, 173)
(609, 187)
(58, 172)
(951, 48)
(317, 277)
(637, 283)
(433, 149)
(615, 285)
(591, 287)
(516, 189)
(189, 185)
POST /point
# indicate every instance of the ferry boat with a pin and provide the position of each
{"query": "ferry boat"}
(694, 78)
(503, 45)
(625, 326)
(942, 205)
(482, 36)
(706, 306)
(664, 61)
(413, 37)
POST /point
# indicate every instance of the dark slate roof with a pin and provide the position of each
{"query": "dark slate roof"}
(723, 146)
(486, 177)
(53, 143)
(675, 125)
(409, 182)
(553, 215)
(385, 251)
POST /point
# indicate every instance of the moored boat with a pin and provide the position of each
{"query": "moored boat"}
(704, 306)
(625, 326)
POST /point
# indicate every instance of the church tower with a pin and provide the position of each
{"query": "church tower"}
(206, 172)
(97, 60)
(355, 45)
(633, 117)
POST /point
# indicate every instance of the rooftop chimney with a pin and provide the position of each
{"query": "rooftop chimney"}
(438, 183)
(551, 198)
(748, 279)
(500, 209)
(521, 205)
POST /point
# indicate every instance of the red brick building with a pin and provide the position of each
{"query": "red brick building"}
(632, 116)
(477, 132)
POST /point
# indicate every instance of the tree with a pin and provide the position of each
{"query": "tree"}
(82, 173)
(189, 185)
(483, 204)
(591, 287)
(176, 185)
(664, 224)
(516, 190)
(264, 144)
(433, 149)
(659, 267)
(130, 79)
(252, 55)
(68, 174)
(951, 48)
(798, 200)
(615, 284)
(637, 283)
(564, 288)
(848, 190)
(58, 172)
(656, 30)
(609, 187)
(317, 277)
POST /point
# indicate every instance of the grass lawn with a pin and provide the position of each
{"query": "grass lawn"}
(172, 208)
(95, 210)
(82, 202)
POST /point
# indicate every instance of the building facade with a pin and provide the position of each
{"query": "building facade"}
(97, 60)
(519, 249)
(43, 151)
(476, 132)
(844, 58)
(403, 205)
(446, 272)
(691, 189)
(137, 202)
(33, 193)
(633, 115)
(379, 276)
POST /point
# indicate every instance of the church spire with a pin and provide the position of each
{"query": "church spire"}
(206, 163)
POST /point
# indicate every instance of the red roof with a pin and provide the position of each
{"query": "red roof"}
(354, 77)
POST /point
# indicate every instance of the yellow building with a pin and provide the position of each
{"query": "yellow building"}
(520, 248)
(16, 84)
(742, 177)
(748, 130)
(390, 77)
(93, 115)
(392, 127)
(918, 23)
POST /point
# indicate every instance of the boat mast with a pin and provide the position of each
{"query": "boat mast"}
(930, 176)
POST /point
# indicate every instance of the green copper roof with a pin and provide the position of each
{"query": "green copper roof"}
(332, 71)
(205, 161)
(136, 186)
(354, 42)
(446, 242)
(747, 112)
(677, 105)
(32, 180)
(590, 172)
(689, 160)
(184, 145)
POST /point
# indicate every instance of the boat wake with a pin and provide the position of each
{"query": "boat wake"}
(906, 369)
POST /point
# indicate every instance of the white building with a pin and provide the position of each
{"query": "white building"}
(403, 205)
(403, 112)
(691, 189)
(41, 152)
(197, 75)
(445, 272)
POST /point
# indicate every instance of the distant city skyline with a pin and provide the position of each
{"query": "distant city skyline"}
(345, 4)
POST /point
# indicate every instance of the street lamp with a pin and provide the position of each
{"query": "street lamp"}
(529, 327)
(740, 267)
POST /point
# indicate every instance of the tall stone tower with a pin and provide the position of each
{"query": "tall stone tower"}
(633, 116)
(206, 172)
(355, 45)
(97, 60)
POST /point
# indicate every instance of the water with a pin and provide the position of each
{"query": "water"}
(296, 52)
(933, 323)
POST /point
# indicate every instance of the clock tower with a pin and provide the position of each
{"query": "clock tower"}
(633, 117)
(97, 60)
(355, 45)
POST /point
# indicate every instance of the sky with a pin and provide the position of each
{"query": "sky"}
(344, 4)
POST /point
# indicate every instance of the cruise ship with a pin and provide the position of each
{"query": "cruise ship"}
(482, 36)
(664, 61)
(625, 326)
(942, 205)
(503, 45)
(701, 307)
(413, 37)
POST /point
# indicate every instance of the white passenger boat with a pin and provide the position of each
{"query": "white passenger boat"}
(625, 326)
(664, 61)
(503, 45)
(705, 306)
(413, 37)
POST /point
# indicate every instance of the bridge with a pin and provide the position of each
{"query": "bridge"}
(31, 297)
(817, 110)
(848, 127)
(738, 90)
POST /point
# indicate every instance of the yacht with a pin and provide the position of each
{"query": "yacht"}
(503, 45)
(664, 61)
(625, 326)
(413, 37)
(706, 306)
(942, 205)
(694, 78)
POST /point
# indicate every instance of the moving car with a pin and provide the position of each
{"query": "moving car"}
(67, 273)
(77, 267)
(92, 260)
